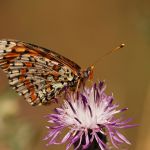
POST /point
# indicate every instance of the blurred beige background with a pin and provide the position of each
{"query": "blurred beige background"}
(82, 30)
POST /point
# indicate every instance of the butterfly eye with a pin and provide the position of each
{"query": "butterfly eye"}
(86, 74)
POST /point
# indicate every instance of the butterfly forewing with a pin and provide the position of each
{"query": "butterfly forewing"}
(36, 73)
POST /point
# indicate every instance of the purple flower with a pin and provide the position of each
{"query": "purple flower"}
(89, 116)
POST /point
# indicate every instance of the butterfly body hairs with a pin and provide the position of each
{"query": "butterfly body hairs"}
(39, 74)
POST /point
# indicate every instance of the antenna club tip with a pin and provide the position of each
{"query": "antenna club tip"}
(122, 45)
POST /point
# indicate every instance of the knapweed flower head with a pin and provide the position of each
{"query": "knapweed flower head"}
(89, 116)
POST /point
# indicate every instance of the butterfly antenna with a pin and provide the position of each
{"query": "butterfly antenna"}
(109, 52)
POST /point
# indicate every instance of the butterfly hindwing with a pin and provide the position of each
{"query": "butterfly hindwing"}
(34, 72)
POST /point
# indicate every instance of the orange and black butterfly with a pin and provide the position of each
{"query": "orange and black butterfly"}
(37, 73)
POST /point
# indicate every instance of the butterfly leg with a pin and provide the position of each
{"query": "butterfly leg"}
(77, 87)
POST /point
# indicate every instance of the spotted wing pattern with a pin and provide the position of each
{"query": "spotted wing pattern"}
(36, 73)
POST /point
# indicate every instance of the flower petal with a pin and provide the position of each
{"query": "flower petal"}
(122, 137)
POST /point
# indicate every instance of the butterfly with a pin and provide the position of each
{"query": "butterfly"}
(37, 73)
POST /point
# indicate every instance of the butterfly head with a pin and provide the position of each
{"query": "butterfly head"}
(88, 73)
